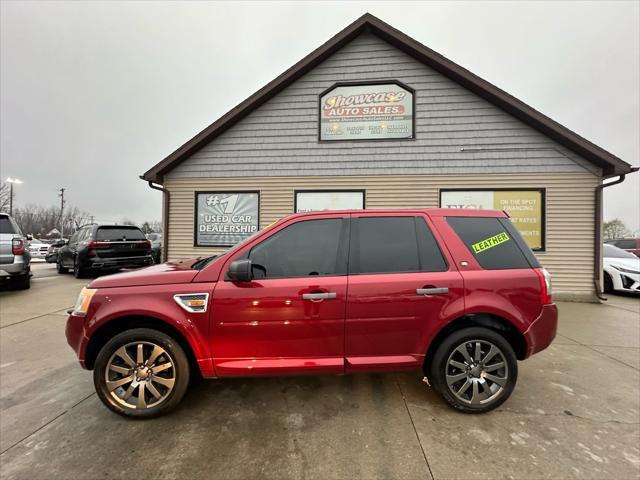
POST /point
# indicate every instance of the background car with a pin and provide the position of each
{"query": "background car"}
(156, 245)
(15, 261)
(621, 270)
(38, 248)
(96, 248)
(631, 245)
(52, 253)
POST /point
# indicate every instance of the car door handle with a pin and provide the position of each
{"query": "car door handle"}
(314, 297)
(432, 291)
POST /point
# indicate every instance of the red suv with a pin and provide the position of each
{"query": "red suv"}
(456, 294)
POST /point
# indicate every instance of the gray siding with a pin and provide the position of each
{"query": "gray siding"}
(457, 132)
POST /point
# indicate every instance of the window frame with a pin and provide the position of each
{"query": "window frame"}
(355, 237)
(343, 246)
(543, 206)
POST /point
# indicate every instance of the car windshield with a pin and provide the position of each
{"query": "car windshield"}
(614, 252)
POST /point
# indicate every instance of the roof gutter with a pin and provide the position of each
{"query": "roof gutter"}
(597, 256)
(165, 218)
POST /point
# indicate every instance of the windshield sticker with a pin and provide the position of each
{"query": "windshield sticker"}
(490, 242)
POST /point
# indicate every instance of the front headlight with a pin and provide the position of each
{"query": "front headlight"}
(625, 270)
(83, 302)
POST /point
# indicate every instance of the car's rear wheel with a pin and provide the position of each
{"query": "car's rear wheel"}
(474, 369)
(23, 282)
(60, 267)
(78, 271)
(141, 373)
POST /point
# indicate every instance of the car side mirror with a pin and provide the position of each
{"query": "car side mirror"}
(29, 237)
(240, 270)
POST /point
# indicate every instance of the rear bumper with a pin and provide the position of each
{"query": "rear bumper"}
(76, 338)
(19, 266)
(542, 331)
(120, 262)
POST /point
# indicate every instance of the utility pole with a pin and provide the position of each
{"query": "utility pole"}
(91, 216)
(61, 195)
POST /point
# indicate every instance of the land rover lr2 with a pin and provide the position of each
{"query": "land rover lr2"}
(453, 293)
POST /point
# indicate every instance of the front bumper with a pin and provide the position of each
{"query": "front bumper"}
(76, 338)
(542, 331)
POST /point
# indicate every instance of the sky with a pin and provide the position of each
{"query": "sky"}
(93, 94)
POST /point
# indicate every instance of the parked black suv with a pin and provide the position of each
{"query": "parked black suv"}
(104, 247)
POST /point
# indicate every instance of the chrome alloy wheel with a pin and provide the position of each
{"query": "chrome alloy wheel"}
(141, 383)
(476, 372)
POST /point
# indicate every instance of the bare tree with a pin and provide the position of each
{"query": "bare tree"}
(614, 229)
(39, 221)
(5, 199)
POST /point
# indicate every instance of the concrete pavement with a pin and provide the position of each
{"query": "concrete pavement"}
(575, 412)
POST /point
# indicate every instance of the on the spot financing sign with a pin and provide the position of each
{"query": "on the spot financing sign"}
(523, 206)
(225, 218)
(366, 112)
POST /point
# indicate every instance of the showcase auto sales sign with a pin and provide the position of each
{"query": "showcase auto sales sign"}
(366, 112)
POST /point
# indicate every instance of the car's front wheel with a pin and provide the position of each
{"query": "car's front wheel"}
(141, 373)
(474, 369)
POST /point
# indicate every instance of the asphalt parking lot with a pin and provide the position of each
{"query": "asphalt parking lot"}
(574, 414)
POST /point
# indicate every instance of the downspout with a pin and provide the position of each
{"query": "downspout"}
(165, 218)
(597, 260)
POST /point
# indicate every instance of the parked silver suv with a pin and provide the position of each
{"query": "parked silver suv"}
(14, 255)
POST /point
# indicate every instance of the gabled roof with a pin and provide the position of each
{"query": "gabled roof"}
(610, 164)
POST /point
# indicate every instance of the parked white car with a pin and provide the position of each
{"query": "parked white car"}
(38, 248)
(621, 270)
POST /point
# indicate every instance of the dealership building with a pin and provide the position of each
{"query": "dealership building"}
(374, 119)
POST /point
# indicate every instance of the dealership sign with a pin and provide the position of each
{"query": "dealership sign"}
(225, 218)
(525, 207)
(366, 112)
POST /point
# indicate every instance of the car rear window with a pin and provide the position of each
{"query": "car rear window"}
(6, 226)
(494, 242)
(115, 234)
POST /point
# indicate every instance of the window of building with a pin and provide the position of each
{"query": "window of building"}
(312, 201)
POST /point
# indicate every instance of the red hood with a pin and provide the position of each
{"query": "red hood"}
(178, 271)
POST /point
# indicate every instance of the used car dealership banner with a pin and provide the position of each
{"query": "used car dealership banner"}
(523, 206)
(366, 112)
(225, 218)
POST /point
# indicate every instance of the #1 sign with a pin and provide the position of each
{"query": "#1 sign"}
(225, 218)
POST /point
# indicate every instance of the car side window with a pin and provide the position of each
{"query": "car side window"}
(393, 245)
(494, 242)
(74, 238)
(306, 248)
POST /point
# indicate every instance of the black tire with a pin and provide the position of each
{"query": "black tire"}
(23, 282)
(608, 283)
(175, 355)
(60, 268)
(447, 352)
(78, 271)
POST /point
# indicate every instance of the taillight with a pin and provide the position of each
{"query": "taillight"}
(17, 246)
(143, 244)
(545, 286)
(98, 245)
